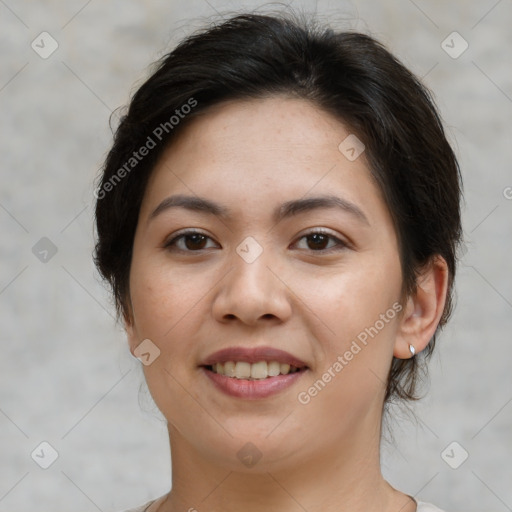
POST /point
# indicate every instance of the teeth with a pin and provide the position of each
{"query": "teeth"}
(229, 368)
(242, 370)
(274, 368)
(255, 371)
(259, 370)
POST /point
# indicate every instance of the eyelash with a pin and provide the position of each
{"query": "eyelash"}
(340, 244)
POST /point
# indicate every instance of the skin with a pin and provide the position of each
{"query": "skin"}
(252, 156)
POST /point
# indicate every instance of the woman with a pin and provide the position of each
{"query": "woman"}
(279, 218)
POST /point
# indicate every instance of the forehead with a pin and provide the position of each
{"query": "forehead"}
(270, 149)
(274, 125)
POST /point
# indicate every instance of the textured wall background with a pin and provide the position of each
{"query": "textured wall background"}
(67, 377)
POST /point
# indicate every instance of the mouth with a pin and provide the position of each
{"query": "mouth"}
(253, 373)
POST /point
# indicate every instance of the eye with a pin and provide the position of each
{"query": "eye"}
(188, 241)
(195, 241)
(319, 240)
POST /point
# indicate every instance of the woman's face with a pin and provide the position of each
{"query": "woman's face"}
(294, 251)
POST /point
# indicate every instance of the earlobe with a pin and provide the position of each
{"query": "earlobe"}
(423, 310)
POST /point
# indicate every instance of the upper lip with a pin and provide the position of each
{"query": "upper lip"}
(253, 355)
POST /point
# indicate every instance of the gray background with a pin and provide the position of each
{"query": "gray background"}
(67, 376)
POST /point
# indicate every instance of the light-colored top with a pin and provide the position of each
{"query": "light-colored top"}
(422, 507)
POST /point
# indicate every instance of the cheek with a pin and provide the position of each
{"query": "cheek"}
(161, 296)
(370, 292)
(359, 305)
(349, 381)
(166, 305)
(346, 300)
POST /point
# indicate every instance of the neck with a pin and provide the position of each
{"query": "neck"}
(343, 480)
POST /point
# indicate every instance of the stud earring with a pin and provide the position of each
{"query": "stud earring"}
(412, 350)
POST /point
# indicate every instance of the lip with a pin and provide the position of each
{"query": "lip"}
(252, 389)
(253, 355)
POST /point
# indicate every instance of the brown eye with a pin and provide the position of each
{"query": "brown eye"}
(317, 241)
(190, 241)
(321, 241)
(195, 241)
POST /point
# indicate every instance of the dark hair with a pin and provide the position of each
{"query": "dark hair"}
(347, 74)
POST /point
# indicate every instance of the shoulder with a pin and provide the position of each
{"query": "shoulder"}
(153, 504)
(141, 508)
(427, 507)
(422, 507)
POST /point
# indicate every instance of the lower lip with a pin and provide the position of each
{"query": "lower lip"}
(253, 389)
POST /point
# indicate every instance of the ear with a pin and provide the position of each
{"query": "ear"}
(423, 310)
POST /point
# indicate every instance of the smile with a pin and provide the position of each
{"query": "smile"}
(255, 371)
(252, 372)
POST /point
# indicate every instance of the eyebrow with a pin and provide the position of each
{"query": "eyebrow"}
(286, 210)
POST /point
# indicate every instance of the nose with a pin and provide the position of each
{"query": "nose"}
(253, 292)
